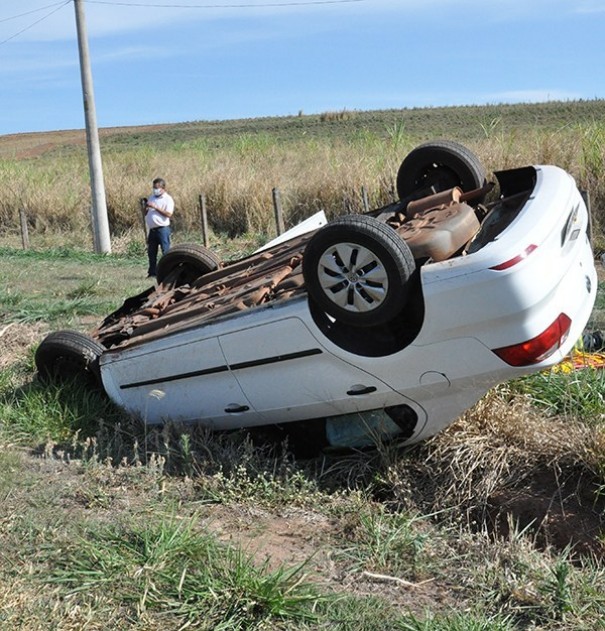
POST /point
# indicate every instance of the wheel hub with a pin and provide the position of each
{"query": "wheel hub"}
(353, 277)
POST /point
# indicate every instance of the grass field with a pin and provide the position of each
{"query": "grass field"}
(494, 525)
(317, 162)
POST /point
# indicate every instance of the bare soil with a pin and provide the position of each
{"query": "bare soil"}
(36, 144)
(562, 513)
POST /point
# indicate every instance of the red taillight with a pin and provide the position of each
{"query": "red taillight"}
(538, 348)
(517, 259)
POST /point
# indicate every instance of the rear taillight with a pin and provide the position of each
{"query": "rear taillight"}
(538, 348)
(517, 259)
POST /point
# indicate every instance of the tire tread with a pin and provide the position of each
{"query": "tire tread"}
(455, 154)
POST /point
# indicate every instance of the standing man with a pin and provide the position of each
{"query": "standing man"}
(160, 207)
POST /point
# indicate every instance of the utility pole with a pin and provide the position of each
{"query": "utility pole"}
(100, 223)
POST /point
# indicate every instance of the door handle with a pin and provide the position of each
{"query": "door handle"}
(356, 391)
(236, 409)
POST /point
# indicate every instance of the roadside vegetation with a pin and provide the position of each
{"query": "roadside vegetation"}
(494, 525)
(317, 162)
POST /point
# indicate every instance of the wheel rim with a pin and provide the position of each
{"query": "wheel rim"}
(439, 176)
(353, 277)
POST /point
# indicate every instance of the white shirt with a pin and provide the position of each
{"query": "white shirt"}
(153, 218)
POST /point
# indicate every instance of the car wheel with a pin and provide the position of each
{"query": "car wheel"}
(186, 262)
(441, 164)
(357, 269)
(65, 355)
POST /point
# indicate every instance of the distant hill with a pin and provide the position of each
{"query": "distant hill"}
(463, 122)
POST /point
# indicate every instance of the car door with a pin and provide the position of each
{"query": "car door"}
(184, 381)
(287, 375)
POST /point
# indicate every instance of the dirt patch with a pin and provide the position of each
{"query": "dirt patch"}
(15, 339)
(278, 540)
(36, 144)
(561, 513)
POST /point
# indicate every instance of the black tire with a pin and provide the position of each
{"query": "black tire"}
(65, 355)
(345, 291)
(189, 260)
(441, 164)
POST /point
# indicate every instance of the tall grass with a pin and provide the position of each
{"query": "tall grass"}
(237, 176)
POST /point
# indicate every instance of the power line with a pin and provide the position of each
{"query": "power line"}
(14, 17)
(60, 5)
(298, 3)
(8, 39)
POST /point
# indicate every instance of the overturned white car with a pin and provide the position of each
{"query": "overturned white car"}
(385, 324)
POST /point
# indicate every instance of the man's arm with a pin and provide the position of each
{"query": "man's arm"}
(167, 212)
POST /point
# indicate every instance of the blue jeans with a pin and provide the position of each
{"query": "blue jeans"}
(157, 238)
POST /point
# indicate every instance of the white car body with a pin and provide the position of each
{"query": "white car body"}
(274, 364)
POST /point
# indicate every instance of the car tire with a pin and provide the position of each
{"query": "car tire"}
(367, 291)
(189, 260)
(65, 355)
(441, 164)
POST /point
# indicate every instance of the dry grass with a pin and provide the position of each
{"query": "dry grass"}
(14, 338)
(504, 460)
(237, 176)
(342, 115)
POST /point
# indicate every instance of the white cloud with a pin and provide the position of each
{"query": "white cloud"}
(37, 64)
(31, 65)
(132, 53)
(107, 19)
(591, 6)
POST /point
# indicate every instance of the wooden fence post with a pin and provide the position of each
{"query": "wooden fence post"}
(279, 212)
(204, 217)
(143, 205)
(364, 200)
(24, 230)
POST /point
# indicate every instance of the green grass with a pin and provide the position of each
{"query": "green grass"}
(471, 122)
(62, 310)
(371, 614)
(81, 284)
(106, 523)
(579, 393)
(170, 567)
(36, 412)
(458, 622)
(386, 542)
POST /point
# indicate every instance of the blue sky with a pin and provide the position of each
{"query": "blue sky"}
(175, 64)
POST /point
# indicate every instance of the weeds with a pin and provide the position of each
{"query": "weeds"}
(559, 587)
(578, 394)
(85, 289)
(50, 412)
(458, 622)
(171, 567)
(67, 310)
(386, 542)
(342, 115)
